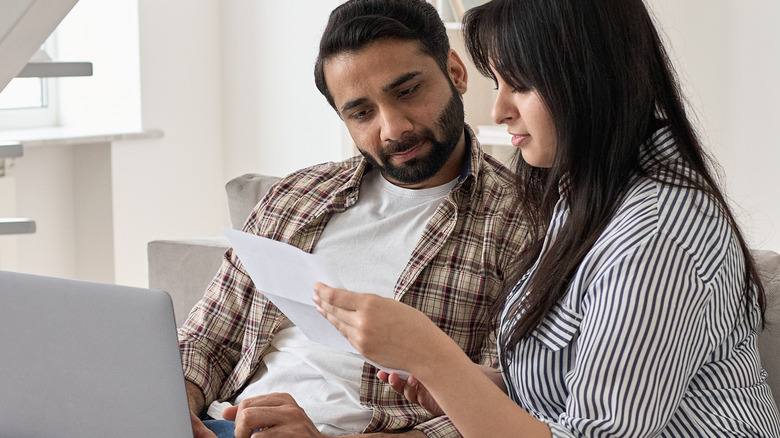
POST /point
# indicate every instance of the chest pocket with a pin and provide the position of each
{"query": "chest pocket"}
(559, 328)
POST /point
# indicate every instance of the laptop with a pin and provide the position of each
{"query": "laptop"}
(82, 359)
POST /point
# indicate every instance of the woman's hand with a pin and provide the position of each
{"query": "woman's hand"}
(417, 393)
(413, 390)
(397, 336)
(383, 330)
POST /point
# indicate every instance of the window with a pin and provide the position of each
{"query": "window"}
(24, 26)
(28, 93)
(25, 93)
(103, 33)
(27, 103)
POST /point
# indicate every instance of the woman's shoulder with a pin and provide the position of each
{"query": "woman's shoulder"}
(667, 200)
(687, 217)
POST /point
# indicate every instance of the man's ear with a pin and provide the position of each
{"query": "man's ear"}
(457, 71)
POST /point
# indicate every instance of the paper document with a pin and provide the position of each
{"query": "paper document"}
(286, 276)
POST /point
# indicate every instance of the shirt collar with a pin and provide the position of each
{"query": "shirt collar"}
(660, 148)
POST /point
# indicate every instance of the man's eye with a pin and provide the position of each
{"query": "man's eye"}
(359, 115)
(408, 91)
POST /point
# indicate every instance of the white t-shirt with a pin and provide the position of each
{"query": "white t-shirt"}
(369, 245)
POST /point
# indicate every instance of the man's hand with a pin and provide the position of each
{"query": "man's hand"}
(276, 413)
(199, 430)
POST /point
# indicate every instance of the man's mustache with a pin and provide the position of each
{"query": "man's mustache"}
(407, 142)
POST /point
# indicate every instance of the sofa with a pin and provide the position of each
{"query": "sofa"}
(185, 267)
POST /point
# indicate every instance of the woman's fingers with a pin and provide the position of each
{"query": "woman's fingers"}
(407, 387)
(383, 330)
(334, 298)
(412, 390)
(337, 306)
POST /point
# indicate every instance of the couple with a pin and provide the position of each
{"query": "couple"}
(602, 289)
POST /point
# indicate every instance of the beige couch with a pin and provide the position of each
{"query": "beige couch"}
(184, 268)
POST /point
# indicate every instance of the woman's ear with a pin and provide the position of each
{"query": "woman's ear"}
(457, 71)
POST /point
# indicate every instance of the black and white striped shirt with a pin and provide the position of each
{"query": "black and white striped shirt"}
(652, 338)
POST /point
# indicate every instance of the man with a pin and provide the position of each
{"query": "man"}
(423, 216)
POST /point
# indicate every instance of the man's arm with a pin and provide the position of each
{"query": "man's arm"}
(195, 398)
(196, 401)
(281, 413)
(410, 434)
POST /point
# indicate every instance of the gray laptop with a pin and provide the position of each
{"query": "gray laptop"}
(80, 359)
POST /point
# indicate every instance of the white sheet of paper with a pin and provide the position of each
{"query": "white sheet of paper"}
(286, 276)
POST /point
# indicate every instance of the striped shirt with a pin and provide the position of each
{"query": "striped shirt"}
(453, 275)
(652, 337)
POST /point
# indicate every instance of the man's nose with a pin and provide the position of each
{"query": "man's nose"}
(394, 124)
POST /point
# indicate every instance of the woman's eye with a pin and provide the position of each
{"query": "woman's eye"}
(522, 89)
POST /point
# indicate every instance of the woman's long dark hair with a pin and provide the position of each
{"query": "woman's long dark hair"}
(601, 70)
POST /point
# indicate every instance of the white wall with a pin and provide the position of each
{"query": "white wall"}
(728, 56)
(276, 121)
(172, 187)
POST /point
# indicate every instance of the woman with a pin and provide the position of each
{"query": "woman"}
(634, 314)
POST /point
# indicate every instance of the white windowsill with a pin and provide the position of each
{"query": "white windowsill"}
(73, 136)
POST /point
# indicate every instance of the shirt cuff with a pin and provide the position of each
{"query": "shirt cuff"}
(439, 427)
(557, 430)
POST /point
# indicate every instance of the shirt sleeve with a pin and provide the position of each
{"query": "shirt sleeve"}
(210, 341)
(644, 334)
(439, 427)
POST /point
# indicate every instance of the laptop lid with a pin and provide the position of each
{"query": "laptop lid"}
(82, 359)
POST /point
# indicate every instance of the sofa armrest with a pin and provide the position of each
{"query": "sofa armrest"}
(768, 266)
(184, 268)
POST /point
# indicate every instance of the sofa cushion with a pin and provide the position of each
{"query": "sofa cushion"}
(768, 265)
(244, 192)
(184, 268)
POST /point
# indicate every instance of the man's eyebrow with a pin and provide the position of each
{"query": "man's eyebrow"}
(389, 87)
(400, 80)
(352, 103)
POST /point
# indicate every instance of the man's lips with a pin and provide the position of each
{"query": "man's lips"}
(408, 154)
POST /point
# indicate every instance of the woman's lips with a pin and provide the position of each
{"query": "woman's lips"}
(518, 139)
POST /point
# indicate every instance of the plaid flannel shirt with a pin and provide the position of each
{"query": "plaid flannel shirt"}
(453, 275)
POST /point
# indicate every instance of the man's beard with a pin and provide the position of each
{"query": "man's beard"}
(421, 168)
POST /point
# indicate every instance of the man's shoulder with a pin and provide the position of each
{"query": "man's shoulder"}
(496, 178)
(295, 198)
(324, 175)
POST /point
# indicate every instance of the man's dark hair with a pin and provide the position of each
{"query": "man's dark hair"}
(358, 23)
